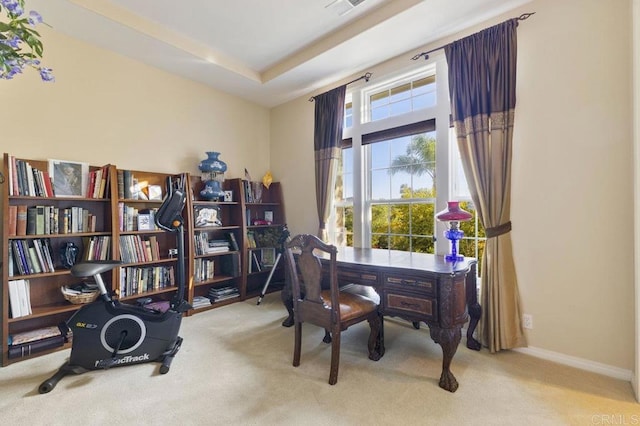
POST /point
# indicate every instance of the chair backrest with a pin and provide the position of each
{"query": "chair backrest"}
(306, 273)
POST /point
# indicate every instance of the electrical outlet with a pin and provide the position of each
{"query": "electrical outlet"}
(527, 321)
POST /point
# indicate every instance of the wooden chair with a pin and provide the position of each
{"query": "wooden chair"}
(331, 309)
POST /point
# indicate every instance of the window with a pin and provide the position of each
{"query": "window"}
(399, 161)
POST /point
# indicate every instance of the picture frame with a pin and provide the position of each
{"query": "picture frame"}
(268, 257)
(228, 196)
(155, 192)
(70, 178)
(268, 216)
(207, 216)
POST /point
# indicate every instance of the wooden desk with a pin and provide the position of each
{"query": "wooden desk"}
(418, 287)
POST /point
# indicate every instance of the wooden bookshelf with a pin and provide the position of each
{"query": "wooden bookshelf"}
(113, 226)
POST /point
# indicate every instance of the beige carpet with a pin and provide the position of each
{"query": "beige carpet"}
(235, 368)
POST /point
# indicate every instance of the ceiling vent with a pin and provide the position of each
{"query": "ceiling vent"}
(341, 7)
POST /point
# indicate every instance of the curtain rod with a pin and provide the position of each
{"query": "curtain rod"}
(426, 54)
(365, 77)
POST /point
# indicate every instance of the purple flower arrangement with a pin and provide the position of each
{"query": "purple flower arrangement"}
(15, 36)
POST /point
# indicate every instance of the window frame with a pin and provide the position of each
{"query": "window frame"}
(363, 126)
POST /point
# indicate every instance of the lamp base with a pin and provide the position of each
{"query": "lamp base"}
(454, 235)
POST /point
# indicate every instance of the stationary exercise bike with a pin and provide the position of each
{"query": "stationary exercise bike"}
(107, 333)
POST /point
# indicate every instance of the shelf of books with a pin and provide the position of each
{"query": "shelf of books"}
(55, 213)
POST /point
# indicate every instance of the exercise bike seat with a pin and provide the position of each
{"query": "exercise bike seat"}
(90, 268)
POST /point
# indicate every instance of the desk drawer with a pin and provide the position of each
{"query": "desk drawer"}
(352, 275)
(425, 286)
(416, 307)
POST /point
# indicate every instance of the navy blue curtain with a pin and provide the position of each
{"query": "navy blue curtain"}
(329, 118)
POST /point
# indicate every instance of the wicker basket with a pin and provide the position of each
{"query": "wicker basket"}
(80, 299)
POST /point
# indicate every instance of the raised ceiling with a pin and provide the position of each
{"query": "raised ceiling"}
(266, 51)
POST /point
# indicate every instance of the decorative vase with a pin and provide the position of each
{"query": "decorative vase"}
(212, 169)
(69, 254)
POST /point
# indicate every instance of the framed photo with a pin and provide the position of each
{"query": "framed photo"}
(155, 192)
(268, 257)
(268, 216)
(70, 178)
(228, 195)
(146, 220)
(207, 216)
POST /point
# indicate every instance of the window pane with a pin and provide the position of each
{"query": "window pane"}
(400, 218)
(422, 244)
(379, 218)
(422, 219)
(400, 242)
(380, 185)
(401, 107)
(400, 92)
(380, 155)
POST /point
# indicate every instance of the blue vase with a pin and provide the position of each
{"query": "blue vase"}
(214, 168)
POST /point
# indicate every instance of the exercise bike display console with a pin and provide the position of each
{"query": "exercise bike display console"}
(107, 333)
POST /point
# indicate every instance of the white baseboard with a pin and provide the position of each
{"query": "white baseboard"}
(583, 364)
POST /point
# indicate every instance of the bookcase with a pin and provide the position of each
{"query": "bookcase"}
(263, 224)
(215, 241)
(148, 253)
(36, 229)
(115, 220)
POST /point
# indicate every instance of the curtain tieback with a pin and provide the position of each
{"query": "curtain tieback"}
(498, 230)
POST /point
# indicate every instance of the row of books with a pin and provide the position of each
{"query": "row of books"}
(33, 341)
(136, 249)
(20, 298)
(97, 248)
(49, 220)
(204, 245)
(203, 270)
(218, 294)
(98, 182)
(133, 219)
(28, 257)
(137, 280)
(27, 180)
(200, 302)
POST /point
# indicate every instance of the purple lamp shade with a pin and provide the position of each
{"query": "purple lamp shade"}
(453, 212)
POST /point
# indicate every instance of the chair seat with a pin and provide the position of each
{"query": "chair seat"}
(351, 305)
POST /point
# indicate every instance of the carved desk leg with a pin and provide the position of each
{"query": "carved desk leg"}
(473, 308)
(448, 339)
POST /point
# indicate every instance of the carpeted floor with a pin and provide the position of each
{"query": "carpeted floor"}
(235, 368)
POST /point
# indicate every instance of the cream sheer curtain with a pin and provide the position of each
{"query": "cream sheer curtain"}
(482, 81)
(329, 118)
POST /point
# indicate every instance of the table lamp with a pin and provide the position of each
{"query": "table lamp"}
(453, 214)
(212, 169)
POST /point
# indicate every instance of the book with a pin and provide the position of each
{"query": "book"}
(33, 335)
(21, 220)
(13, 221)
(26, 349)
(233, 243)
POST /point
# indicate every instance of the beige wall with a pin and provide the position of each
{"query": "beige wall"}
(572, 169)
(107, 108)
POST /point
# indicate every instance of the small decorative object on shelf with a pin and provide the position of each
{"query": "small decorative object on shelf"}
(267, 179)
(69, 254)
(453, 214)
(16, 33)
(212, 169)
